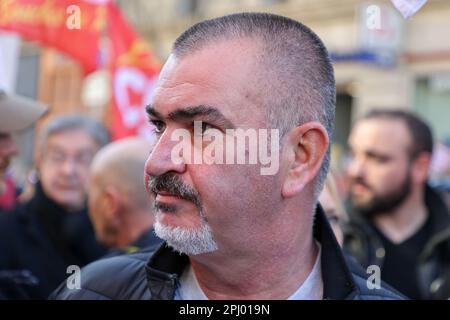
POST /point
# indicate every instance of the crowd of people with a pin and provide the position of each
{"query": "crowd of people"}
(142, 226)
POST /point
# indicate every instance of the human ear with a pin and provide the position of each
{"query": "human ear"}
(112, 205)
(306, 146)
(421, 167)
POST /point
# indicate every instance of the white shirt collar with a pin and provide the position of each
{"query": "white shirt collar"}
(310, 289)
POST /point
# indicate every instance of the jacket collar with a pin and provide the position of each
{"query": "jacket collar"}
(438, 210)
(165, 266)
(438, 216)
(163, 270)
(338, 282)
(439, 220)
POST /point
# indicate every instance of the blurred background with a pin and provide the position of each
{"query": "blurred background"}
(381, 59)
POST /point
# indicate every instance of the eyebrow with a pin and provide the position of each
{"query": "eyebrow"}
(60, 149)
(376, 154)
(192, 112)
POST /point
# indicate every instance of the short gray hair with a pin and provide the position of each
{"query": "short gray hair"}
(297, 69)
(58, 124)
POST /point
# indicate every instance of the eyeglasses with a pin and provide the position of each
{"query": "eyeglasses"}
(82, 159)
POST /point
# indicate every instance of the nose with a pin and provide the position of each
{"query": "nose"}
(68, 167)
(356, 167)
(163, 157)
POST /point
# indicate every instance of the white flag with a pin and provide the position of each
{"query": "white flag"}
(408, 7)
(9, 59)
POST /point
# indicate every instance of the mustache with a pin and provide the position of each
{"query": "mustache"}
(361, 181)
(170, 182)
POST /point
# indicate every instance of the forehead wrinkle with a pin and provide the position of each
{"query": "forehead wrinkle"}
(184, 85)
(166, 97)
(206, 111)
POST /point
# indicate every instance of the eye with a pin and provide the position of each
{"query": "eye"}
(56, 157)
(84, 158)
(378, 159)
(159, 125)
(206, 126)
(201, 128)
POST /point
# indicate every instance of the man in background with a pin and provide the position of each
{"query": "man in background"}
(398, 222)
(52, 230)
(16, 114)
(119, 206)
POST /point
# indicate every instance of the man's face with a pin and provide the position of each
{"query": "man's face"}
(8, 149)
(99, 213)
(226, 202)
(64, 167)
(380, 169)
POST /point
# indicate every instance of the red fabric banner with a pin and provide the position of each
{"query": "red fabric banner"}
(134, 74)
(53, 24)
(133, 66)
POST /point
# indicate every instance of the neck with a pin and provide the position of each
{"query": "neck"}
(401, 223)
(137, 223)
(259, 274)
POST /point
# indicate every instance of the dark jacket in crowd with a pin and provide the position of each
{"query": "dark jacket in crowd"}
(155, 274)
(146, 240)
(433, 266)
(38, 241)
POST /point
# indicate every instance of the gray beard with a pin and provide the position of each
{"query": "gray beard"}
(187, 241)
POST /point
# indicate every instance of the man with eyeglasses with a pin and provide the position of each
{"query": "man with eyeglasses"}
(52, 230)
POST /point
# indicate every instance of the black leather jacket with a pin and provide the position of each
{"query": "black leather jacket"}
(153, 275)
(433, 265)
(38, 241)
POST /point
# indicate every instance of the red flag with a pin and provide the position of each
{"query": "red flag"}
(134, 68)
(74, 27)
(134, 74)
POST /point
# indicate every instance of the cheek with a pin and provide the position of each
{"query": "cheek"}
(146, 182)
(48, 179)
(83, 175)
(382, 174)
(101, 225)
(233, 192)
(95, 221)
(95, 210)
(92, 205)
(387, 178)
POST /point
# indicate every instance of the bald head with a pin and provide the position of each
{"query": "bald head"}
(121, 165)
(119, 206)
